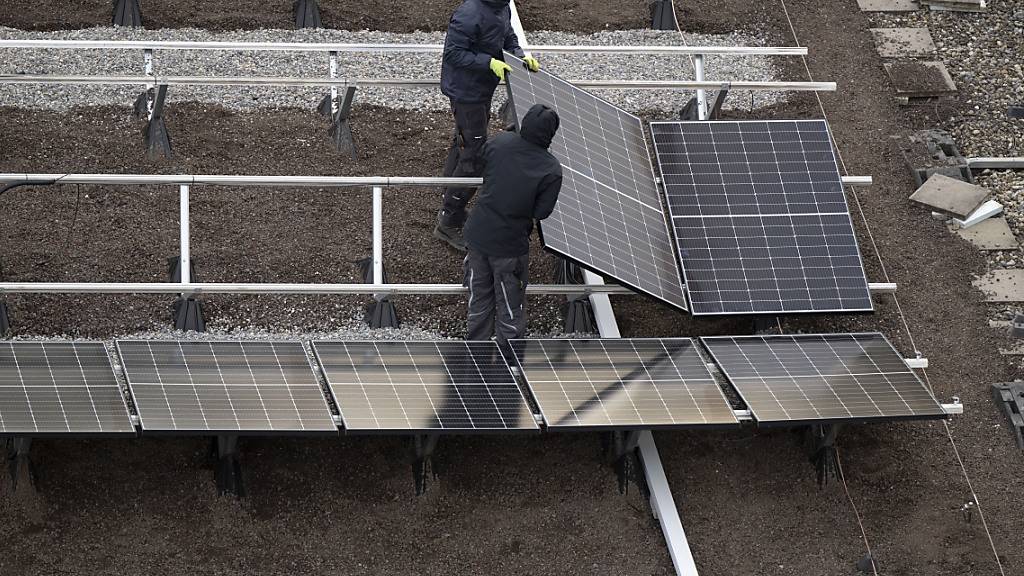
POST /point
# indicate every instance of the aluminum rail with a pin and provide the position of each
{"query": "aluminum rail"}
(1007, 163)
(402, 82)
(311, 289)
(384, 47)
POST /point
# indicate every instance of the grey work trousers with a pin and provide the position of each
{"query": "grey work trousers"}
(497, 297)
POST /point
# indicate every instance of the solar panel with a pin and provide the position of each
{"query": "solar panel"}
(760, 217)
(609, 216)
(60, 388)
(225, 386)
(442, 386)
(824, 377)
(622, 383)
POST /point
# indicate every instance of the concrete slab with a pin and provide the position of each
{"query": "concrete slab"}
(887, 5)
(951, 196)
(991, 234)
(1002, 285)
(916, 79)
(903, 42)
(987, 210)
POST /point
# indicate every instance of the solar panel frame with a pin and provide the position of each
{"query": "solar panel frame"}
(527, 422)
(765, 413)
(113, 420)
(595, 176)
(804, 276)
(263, 394)
(703, 385)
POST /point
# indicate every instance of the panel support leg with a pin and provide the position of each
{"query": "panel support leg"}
(381, 313)
(19, 463)
(229, 470)
(127, 13)
(155, 136)
(663, 15)
(820, 440)
(621, 452)
(664, 507)
(341, 130)
(577, 313)
(307, 14)
(5, 319)
(423, 460)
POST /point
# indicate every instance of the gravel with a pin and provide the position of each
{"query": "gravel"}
(381, 65)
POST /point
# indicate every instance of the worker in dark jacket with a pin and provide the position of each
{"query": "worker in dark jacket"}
(521, 184)
(472, 66)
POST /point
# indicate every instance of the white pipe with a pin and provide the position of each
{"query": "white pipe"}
(665, 506)
(230, 180)
(229, 288)
(185, 256)
(858, 180)
(421, 48)
(378, 234)
(1007, 163)
(698, 75)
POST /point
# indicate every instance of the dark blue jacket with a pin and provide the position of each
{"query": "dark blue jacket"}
(478, 31)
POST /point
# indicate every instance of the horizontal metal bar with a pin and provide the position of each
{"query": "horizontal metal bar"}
(226, 180)
(917, 363)
(215, 288)
(858, 180)
(882, 287)
(420, 48)
(953, 409)
(400, 82)
(743, 415)
(1007, 163)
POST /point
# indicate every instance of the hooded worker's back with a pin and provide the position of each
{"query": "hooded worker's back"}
(521, 183)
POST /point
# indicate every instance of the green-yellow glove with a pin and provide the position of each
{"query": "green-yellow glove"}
(499, 68)
(531, 64)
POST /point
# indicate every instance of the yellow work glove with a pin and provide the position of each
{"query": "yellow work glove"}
(499, 68)
(531, 64)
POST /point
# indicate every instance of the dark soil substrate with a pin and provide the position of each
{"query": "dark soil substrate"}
(505, 506)
(581, 16)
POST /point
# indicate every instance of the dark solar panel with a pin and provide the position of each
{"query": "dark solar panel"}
(609, 216)
(829, 377)
(219, 386)
(408, 386)
(60, 388)
(624, 383)
(760, 217)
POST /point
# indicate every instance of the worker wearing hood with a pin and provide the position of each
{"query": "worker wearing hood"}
(521, 184)
(472, 66)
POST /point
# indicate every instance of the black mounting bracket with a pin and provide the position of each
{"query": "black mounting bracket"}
(620, 450)
(1016, 111)
(423, 460)
(689, 112)
(155, 136)
(127, 13)
(820, 441)
(5, 319)
(307, 14)
(229, 469)
(19, 463)
(1009, 398)
(187, 312)
(341, 130)
(663, 15)
(381, 313)
(577, 313)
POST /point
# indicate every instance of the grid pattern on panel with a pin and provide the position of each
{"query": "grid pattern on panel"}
(221, 386)
(760, 217)
(594, 383)
(609, 216)
(452, 386)
(827, 377)
(60, 388)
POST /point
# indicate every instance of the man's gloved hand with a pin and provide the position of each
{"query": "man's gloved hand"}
(499, 68)
(531, 64)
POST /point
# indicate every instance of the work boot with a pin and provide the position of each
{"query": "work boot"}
(448, 232)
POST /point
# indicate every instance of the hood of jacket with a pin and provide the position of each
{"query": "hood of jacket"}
(539, 125)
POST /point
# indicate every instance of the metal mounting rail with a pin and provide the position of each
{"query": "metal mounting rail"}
(285, 81)
(384, 47)
(318, 289)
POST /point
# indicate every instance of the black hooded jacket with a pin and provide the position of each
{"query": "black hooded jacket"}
(478, 31)
(521, 184)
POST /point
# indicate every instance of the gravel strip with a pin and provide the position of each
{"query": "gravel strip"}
(365, 65)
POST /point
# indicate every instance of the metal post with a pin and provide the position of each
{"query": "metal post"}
(147, 56)
(378, 233)
(698, 73)
(334, 88)
(185, 264)
(664, 506)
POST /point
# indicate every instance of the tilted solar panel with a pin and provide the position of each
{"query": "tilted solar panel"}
(609, 216)
(622, 383)
(760, 217)
(266, 388)
(822, 377)
(60, 388)
(424, 386)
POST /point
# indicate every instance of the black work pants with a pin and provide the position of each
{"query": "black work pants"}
(497, 297)
(465, 157)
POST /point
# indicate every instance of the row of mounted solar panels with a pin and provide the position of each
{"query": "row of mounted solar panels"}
(756, 220)
(272, 387)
